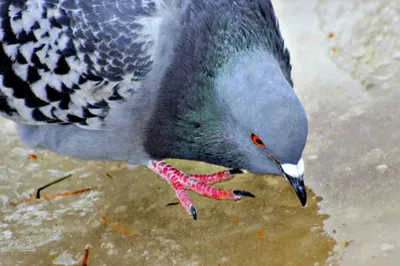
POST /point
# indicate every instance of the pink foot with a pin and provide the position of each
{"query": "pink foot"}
(199, 184)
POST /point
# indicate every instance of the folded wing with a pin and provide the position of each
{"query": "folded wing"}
(70, 61)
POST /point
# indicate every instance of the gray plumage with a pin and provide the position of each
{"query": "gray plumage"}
(136, 80)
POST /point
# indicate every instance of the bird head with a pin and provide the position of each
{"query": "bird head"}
(263, 119)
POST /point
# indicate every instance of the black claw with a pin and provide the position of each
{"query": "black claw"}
(193, 212)
(243, 193)
(172, 204)
(235, 171)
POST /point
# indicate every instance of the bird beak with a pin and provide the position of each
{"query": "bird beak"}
(294, 174)
(297, 184)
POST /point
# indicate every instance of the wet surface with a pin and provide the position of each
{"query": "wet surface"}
(126, 221)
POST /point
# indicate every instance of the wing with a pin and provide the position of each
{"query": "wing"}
(67, 61)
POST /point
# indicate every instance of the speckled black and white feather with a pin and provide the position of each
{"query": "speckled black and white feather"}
(67, 61)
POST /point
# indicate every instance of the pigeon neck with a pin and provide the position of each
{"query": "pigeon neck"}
(186, 122)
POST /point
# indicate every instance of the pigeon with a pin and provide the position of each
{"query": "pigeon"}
(146, 80)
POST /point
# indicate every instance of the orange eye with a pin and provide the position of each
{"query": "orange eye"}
(257, 140)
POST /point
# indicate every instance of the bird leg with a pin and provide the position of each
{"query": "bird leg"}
(181, 182)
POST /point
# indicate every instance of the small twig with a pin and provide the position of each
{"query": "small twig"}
(50, 184)
(68, 193)
(86, 256)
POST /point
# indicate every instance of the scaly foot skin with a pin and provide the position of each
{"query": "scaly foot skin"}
(199, 184)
